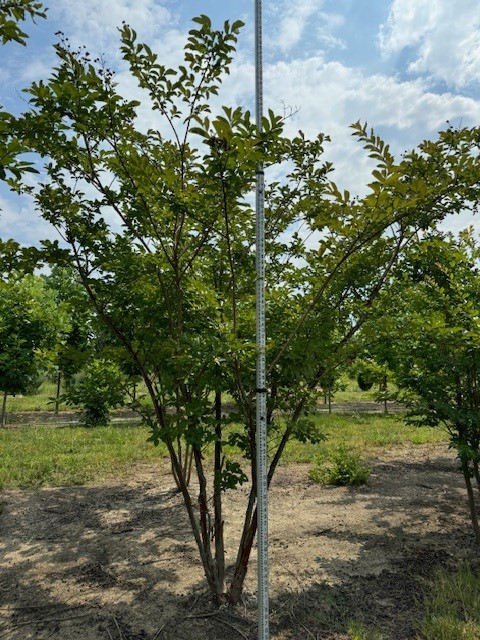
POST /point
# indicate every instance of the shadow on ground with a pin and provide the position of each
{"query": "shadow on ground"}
(117, 562)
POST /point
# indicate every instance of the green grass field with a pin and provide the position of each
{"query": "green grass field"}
(53, 456)
(362, 432)
(452, 605)
(39, 401)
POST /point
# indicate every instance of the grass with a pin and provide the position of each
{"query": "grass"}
(54, 456)
(36, 402)
(357, 631)
(363, 432)
(41, 401)
(327, 610)
(452, 606)
(349, 391)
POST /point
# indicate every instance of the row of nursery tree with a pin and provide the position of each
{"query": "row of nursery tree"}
(157, 226)
(49, 332)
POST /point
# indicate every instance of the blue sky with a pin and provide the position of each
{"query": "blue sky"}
(404, 66)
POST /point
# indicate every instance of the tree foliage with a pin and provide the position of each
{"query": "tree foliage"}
(429, 334)
(12, 13)
(98, 387)
(30, 323)
(158, 225)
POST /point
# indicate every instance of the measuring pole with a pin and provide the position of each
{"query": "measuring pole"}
(261, 396)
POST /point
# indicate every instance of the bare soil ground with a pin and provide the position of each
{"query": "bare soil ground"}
(117, 561)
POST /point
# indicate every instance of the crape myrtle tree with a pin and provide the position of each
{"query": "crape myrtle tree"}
(429, 334)
(159, 227)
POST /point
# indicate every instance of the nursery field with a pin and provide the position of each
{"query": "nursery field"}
(156, 276)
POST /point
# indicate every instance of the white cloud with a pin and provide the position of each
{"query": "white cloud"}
(330, 96)
(294, 18)
(95, 23)
(18, 220)
(444, 37)
(37, 68)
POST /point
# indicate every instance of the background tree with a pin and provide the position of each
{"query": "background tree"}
(369, 371)
(430, 331)
(30, 323)
(76, 347)
(99, 387)
(164, 250)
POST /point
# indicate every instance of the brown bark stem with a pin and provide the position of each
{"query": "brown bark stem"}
(477, 473)
(471, 498)
(244, 550)
(57, 395)
(205, 526)
(4, 409)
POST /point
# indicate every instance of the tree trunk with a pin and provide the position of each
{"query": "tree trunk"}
(471, 498)
(384, 389)
(209, 564)
(4, 409)
(57, 396)
(244, 551)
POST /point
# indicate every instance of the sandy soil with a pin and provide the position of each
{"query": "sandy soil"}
(117, 562)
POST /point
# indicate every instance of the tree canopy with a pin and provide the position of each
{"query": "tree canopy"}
(429, 335)
(159, 227)
(30, 324)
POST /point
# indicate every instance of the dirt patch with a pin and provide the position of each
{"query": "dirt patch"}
(117, 561)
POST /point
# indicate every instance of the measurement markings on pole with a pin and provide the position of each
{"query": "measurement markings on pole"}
(261, 391)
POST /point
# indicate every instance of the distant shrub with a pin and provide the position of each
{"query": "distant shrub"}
(99, 387)
(340, 467)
